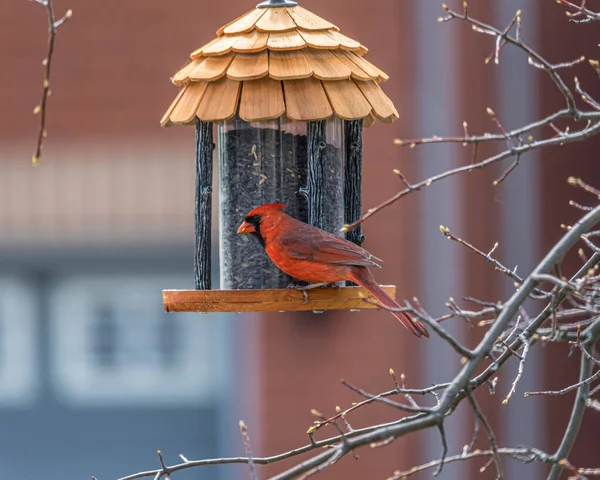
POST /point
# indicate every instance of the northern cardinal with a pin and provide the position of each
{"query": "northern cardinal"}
(310, 254)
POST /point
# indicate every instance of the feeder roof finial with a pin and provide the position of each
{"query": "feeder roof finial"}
(277, 3)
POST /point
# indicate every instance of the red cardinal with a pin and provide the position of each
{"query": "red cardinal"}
(310, 254)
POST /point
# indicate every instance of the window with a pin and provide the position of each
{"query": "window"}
(18, 343)
(112, 345)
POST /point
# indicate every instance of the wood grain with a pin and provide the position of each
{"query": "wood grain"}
(306, 100)
(165, 121)
(221, 46)
(367, 66)
(357, 72)
(185, 110)
(276, 300)
(347, 100)
(198, 52)
(353, 179)
(249, 66)
(368, 121)
(361, 50)
(203, 210)
(319, 172)
(212, 68)
(383, 108)
(262, 100)
(344, 41)
(308, 20)
(243, 24)
(275, 20)
(220, 100)
(326, 66)
(286, 41)
(254, 41)
(289, 65)
(318, 39)
(183, 75)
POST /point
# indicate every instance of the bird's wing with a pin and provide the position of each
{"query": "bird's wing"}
(323, 247)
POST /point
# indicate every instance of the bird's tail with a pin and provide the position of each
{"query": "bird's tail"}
(363, 277)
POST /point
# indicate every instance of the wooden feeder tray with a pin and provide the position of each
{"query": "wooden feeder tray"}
(276, 300)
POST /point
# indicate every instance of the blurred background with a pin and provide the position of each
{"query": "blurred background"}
(94, 377)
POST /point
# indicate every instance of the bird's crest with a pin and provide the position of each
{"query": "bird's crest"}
(267, 208)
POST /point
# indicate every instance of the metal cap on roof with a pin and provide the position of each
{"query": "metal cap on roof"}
(277, 3)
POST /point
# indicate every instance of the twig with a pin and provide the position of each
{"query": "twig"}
(525, 454)
(577, 136)
(508, 347)
(581, 10)
(41, 109)
(258, 460)
(488, 257)
(513, 388)
(381, 398)
(513, 150)
(589, 380)
(246, 438)
(490, 433)
(576, 414)
(559, 297)
(336, 455)
(471, 445)
(402, 387)
(444, 449)
(443, 333)
(578, 182)
(549, 68)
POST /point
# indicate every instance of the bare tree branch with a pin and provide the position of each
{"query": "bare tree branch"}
(246, 438)
(579, 404)
(41, 109)
(519, 141)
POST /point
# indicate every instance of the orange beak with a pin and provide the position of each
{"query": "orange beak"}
(246, 227)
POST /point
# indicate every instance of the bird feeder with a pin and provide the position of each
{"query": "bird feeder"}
(289, 95)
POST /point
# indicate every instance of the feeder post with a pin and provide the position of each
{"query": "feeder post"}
(203, 213)
(353, 179)
(315, 188)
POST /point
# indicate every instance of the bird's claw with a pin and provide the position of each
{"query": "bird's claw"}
(304, 288)
(305, 297)
(301, 288)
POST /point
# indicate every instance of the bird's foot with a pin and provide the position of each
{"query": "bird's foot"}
(304, 288)
(301, 288)
(305, 293)
(313, 285)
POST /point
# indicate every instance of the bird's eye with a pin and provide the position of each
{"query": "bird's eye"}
(254, 219)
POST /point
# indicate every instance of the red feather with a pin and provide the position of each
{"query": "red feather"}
(313, 255)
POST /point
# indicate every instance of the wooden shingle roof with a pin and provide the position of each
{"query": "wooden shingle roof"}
(275, 61)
